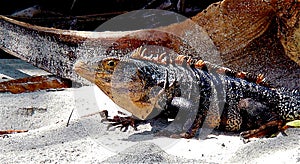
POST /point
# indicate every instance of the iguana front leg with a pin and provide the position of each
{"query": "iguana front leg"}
(184, 125)
(186, 121)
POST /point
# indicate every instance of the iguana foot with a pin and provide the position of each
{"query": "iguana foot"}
(269, 129)
(120, 122)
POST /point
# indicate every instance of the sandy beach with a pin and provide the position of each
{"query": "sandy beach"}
(87, 139)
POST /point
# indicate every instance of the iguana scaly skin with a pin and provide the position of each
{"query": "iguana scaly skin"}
(195, 96)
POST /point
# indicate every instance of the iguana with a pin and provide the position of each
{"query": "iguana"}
(184, 89)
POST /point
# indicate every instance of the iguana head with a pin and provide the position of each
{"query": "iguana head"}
(132, 84)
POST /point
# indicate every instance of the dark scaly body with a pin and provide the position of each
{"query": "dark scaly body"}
(193, 96)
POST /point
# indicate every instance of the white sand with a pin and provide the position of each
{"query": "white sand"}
(88, 140)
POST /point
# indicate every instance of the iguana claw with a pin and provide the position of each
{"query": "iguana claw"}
(119, 121)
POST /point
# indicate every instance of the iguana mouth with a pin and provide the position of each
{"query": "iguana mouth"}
(89, 72)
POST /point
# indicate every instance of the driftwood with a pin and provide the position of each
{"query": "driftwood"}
(11, 131)
(56, 50)
(35, 83)
(247, 35)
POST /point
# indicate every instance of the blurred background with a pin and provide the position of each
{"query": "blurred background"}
(87, 15)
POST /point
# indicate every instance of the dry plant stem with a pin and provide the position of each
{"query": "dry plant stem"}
(68, 123)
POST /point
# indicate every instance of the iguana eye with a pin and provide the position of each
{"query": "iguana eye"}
(111, 63)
